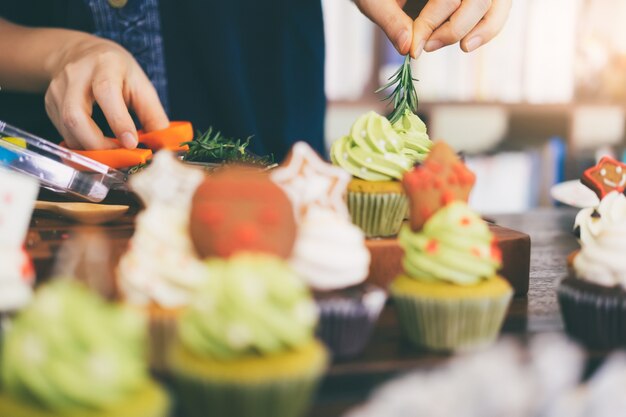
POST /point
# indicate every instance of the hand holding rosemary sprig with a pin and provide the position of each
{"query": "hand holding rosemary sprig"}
(403, 96)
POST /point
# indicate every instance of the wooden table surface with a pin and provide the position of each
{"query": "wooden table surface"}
(58, 246)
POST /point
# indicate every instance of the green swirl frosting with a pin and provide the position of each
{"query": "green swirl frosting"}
(71, 350)
(374, 151)
(253, 305)
(454, 246)
(413, 130)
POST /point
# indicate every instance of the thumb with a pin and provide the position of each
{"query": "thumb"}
(396, 24)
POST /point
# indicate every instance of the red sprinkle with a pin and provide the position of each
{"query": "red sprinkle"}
(432, 246)
(466, 221)
(476, 252)
(247, 233)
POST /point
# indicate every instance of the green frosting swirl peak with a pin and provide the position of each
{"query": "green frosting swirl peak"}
(413, 130)
(252, 305)
(455, 245)
(71, 350)
(373, 150)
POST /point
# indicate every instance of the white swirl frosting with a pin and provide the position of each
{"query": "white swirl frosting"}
(16, 279)
(160, 265)
(330, 251)
(601, 259)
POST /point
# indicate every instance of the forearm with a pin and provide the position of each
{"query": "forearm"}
(30, 56)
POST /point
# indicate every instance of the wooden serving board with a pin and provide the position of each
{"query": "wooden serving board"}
(387, 256)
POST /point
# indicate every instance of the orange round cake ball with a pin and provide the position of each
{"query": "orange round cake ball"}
(239, 209)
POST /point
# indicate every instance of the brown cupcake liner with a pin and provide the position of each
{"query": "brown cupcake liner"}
(162, 331)
(593, 314)
(346, 322)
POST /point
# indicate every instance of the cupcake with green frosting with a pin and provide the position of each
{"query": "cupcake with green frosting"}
(450, 296)
(70, 353)
(245, 347)
(378, 154)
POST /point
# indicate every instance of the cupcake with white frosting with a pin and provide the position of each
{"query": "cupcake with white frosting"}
(17, 275)
(593, 297)
(160, 271)
(331, 257)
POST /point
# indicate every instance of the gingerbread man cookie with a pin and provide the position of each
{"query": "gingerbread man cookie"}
(239, 209)
(311, 182)
(607, 176)
(441, 179)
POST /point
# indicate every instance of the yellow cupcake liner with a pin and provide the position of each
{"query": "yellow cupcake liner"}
(451, 324)
(378, 214)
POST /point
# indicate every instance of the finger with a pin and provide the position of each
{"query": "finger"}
(107, 90)
(69, 108)
(75, 122)
(489, 27)
(389, 15)
(433, 15)
(459, 25)
(147, 105)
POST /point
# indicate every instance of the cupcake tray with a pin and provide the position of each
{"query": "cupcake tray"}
(387, 258)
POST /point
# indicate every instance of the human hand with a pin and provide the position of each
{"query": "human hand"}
(440, 23)
(93, 70)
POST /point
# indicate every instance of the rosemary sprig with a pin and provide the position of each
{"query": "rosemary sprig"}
(404, 96)
(211, 146)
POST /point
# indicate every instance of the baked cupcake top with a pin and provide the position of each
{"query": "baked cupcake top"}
(70, 350)
(602, 240)
(455, 246)
(374, 151)
(255, 305)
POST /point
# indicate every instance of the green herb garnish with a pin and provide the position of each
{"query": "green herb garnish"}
(404, 95)
(213, 147)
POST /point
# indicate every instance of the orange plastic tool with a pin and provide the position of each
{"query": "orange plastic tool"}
(169, 138)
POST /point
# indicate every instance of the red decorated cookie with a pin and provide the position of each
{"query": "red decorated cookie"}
(609, 175)
(239, 209)
(441, 179)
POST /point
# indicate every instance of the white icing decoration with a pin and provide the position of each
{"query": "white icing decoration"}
(603, 241)
(330, 252)
(160, 266)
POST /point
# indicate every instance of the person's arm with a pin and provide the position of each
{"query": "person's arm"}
(76, 70)
(439, 22)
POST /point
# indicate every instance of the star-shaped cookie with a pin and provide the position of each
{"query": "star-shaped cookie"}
(166, 181)
(311, 182)
(608, 175)
(441, 179)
